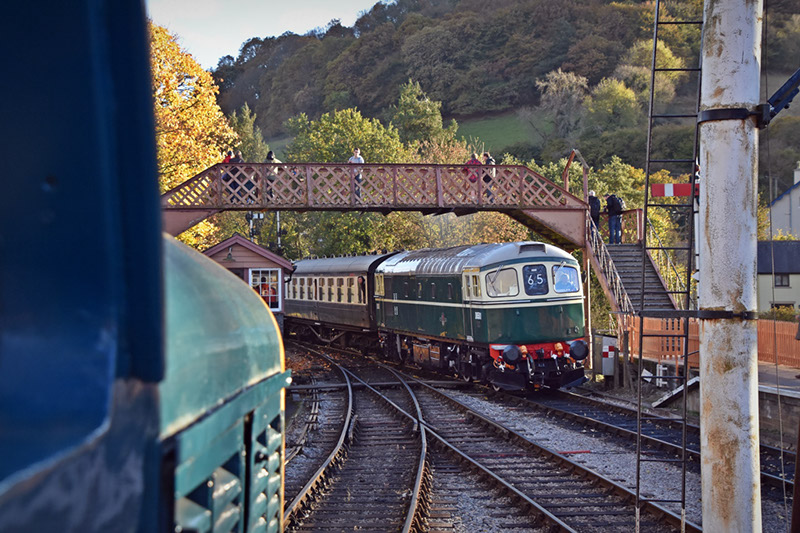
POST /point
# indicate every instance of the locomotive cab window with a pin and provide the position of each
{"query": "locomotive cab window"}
(502, 283)
(379, 287)
(535, 279)
(476, 286)
(565, 279)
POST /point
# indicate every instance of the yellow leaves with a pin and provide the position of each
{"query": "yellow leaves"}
(191, 131)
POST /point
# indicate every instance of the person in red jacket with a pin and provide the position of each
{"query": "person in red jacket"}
(472, 175)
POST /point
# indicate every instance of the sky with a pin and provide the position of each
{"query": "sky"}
(211, 29)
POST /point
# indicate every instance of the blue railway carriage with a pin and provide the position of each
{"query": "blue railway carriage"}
(511, 314)
(141, 384)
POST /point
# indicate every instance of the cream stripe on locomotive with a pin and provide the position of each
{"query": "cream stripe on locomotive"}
(508, 304)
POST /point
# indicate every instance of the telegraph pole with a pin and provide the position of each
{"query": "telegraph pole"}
(731, 66)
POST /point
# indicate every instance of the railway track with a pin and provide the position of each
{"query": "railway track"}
(356, 488)
(326, 419)
(777, 466)
(578, 498)
(552, 489)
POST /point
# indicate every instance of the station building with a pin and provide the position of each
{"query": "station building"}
(263, 270)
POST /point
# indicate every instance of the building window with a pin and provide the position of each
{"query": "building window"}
(266, 282)
(781, 280)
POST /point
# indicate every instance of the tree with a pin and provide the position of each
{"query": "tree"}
(191, 131)
(634, 72)
(332, 138)
(612, 106)
(562, 99)
(254, 149)
(251, 141)
(417, 117)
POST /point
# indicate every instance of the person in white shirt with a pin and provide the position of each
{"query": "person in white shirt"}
(357, 160)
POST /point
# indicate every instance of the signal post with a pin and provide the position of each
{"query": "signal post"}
(727, 288)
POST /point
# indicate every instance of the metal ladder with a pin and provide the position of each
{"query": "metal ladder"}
(681, 250)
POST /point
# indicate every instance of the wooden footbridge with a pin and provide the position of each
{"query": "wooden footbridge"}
(517, 191)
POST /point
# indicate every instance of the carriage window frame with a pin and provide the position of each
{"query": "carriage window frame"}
(491, 286)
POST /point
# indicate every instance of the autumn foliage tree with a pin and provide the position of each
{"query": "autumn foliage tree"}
(191, 130)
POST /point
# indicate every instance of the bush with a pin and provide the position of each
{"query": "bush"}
(784, 313)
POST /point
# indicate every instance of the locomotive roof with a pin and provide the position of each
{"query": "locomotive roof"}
(338, 265)
(454, 260)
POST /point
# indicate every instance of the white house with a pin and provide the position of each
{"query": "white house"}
(786, 208)
(780, 286)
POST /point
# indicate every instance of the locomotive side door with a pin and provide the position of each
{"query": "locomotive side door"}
(470, 289)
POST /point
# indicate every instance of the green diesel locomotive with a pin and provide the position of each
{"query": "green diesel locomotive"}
(509, 314)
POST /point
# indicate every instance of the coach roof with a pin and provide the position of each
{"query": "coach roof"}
(338, 265)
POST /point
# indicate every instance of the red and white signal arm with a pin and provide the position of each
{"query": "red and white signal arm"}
(674, 189)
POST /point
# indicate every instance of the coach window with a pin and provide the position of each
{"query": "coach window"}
(405, 289)
(362, 289)
(339, 284)
(502, 283)
(302, 288)
(419, 290)
(433, 291)
(451, 293)
(349, 290)
(565, 279)
(330, 289)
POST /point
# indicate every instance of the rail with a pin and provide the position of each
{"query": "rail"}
(305, 493)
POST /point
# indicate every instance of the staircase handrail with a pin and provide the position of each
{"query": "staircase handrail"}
(609, 270)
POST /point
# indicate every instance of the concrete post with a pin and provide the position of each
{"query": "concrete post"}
(728, 360)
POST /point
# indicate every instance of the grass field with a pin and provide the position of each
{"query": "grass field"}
(495, 132)
(492, 133)
(278, 145)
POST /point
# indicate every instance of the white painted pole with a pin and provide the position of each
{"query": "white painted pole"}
(728, 359)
